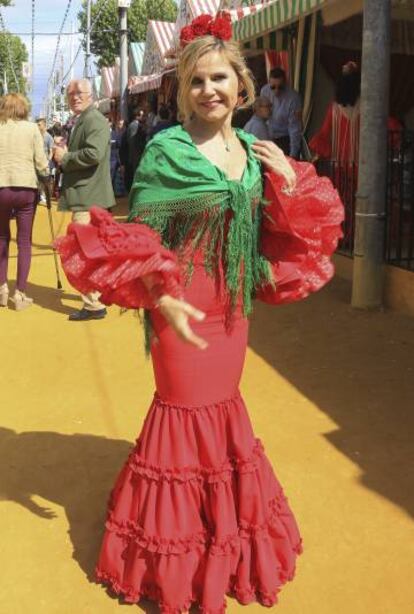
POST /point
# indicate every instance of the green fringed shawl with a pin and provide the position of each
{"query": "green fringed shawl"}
(193, 205)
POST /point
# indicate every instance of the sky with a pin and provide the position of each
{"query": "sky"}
(48, 18)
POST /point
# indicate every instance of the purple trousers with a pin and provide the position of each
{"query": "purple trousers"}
(21, 203)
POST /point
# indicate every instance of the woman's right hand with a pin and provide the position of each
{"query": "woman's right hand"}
(177, 313)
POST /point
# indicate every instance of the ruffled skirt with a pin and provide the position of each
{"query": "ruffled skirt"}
(197, 511)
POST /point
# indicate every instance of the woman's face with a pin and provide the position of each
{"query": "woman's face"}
(214, 88)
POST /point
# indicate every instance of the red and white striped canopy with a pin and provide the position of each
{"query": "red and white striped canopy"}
(211, 7)
(144, 83)
(110, 80)
(163, 33)
(201, 7)
(243, 11)
(160, 36)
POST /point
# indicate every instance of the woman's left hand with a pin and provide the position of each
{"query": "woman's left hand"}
(275, 160)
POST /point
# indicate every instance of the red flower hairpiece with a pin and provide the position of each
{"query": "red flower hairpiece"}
(206, 25)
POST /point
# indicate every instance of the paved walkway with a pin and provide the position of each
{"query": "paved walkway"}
(330, 392)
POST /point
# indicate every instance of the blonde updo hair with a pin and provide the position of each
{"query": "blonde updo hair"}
(187, 62)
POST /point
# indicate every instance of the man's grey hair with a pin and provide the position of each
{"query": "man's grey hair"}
(83, 84)
(261, 100)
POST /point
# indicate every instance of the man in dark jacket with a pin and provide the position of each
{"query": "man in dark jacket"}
(86, 173)
(135, 141)
(164, 121)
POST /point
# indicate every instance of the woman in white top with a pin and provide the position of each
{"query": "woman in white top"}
(22, 160)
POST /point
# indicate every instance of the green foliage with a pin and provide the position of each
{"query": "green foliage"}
(5, 2)
(18, 55)
(104, 36)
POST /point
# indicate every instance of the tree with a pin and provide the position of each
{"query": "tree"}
(5, 2)
(104, 36)
(13, 53)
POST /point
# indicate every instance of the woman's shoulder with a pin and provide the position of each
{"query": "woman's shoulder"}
(168, 142)
(22, 126)
(169, 136)
(28, 126)
(247, 137)
(21, 123)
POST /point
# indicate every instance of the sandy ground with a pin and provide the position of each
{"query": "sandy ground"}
(330, 392)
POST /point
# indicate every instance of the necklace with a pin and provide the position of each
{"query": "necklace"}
(226, 144)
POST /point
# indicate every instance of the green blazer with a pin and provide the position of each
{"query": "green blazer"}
(86, 170)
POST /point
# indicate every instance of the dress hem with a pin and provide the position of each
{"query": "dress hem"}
(242, 596)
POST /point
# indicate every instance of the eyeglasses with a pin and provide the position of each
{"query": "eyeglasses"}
(76, 94)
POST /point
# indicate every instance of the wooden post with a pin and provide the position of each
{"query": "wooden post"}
(368, 278)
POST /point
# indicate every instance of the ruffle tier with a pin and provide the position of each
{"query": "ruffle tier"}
(112, 258)
(300, 232)
(197, 513)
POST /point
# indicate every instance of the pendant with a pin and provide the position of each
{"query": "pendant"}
(226, 147)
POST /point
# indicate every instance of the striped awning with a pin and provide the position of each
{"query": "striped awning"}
(243, 11)
(201, 7)
(97, 84)
(136, 58)
(145, 83)
(160, 36)
(110, 80)
(273, 16)
(164, 34)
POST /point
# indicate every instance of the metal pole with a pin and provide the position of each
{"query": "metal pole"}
(62, 89)
(87, 69)
(368, 277)
(49, 95)
(71, 72)
(123, 54)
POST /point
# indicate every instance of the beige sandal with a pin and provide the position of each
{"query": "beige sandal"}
(4, 295)
(21, 301)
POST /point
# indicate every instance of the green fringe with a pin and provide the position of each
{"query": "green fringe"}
(190, 225)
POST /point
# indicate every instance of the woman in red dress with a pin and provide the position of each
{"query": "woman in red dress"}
(197, 511)
(338, 137)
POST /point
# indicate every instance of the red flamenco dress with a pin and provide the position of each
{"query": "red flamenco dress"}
(197, 511)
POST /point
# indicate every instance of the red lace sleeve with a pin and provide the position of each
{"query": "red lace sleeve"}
(112, 258)
(321, 142)
(299, 234)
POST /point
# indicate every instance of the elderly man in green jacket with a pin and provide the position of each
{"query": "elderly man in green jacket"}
(86, 173)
